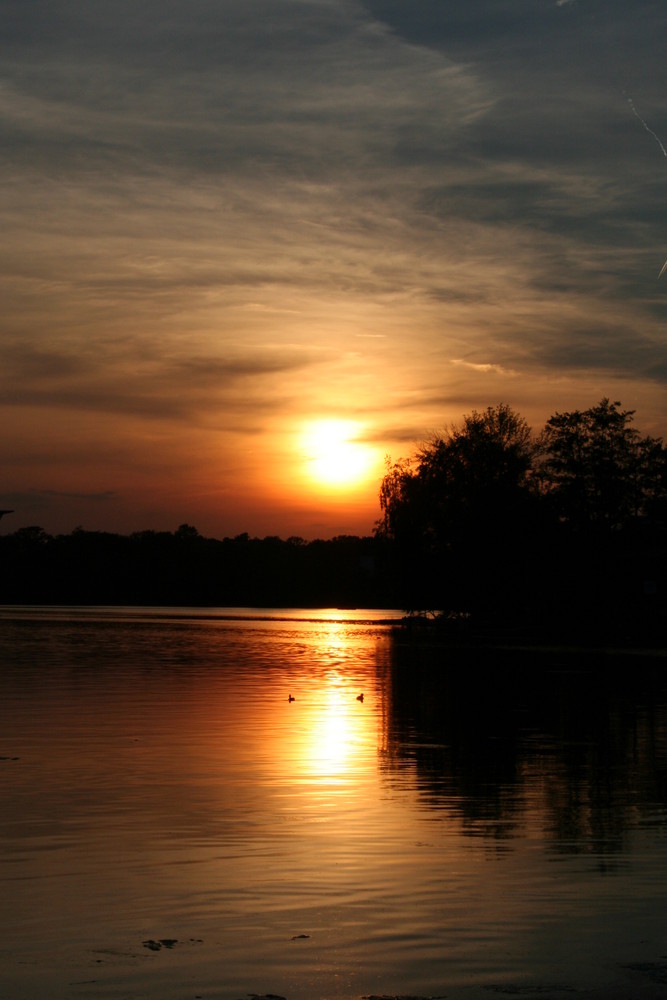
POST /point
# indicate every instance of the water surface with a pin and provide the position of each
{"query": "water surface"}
(482, 822)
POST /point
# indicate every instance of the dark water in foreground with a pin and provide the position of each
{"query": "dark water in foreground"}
(480, 824)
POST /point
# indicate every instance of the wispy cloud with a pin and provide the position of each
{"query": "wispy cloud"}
(219, 218)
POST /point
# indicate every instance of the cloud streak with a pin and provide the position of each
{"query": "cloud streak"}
(227, 219)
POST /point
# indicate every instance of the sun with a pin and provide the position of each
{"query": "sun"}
(334, 455)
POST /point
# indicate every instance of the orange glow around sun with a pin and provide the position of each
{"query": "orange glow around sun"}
(334, 455)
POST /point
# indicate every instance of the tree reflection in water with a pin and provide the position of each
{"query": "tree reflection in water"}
(568, 747)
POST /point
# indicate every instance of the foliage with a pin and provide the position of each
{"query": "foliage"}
(490, 519)
(185, 568)
(597, 470)
(453, 516)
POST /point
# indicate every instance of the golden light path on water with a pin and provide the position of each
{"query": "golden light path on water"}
(159, 783)
(332, 737)
(328, 745)
(329, 750)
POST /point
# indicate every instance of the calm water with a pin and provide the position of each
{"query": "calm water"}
(480, 824)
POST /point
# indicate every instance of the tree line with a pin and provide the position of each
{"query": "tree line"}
(185, 568)
(563, 530)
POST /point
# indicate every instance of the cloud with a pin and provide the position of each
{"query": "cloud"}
(224, 215)
(210, 88)
(158, 386)
(484, 367)
(102, 497)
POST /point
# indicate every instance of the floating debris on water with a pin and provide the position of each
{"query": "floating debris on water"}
(402, 996)
(264, 996)
(513, 990)
(159, 945)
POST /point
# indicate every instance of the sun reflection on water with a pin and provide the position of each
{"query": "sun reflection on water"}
(335, 736)
(164, 784)
(328, 751)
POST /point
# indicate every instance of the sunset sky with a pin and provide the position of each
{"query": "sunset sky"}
(250, 248)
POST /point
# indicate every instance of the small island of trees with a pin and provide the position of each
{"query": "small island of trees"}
(488, 526)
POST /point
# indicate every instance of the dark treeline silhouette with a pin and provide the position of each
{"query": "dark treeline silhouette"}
(185, 568)
(488, 526)
(564, 532)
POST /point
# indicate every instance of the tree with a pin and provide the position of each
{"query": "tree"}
(605, 488)
(186, 533)
(457, 515)
(597, 471)
(567, 532)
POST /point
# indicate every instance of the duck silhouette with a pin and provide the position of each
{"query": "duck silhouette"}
(291, 698)
(360, 697)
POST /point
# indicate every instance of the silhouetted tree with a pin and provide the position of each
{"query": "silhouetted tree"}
(458, 516)
(183, 567)
(604, 486)
(568, 532)
(597, 471)
(186, 533)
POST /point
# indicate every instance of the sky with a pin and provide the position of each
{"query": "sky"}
(252, 249)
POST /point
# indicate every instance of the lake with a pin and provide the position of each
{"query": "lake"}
(200, 804)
